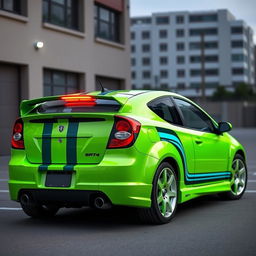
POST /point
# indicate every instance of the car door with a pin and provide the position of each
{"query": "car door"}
(172, 130)
(211, 150)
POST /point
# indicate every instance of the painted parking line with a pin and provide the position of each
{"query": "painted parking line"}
(4, 191)
(10, 209)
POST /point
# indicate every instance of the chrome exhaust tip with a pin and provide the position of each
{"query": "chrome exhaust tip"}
(101, 203)
(25, 199)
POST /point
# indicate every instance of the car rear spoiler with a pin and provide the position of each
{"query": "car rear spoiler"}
(27, 106)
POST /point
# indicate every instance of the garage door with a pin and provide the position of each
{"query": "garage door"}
(9, 101)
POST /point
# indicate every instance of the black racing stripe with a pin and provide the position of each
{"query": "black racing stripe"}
(159, 129)
(208, 181)
(71, 151)
(183, 161)
(188, 182)
(46, 146)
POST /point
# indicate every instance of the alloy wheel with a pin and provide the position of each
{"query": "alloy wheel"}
(166, 192)
(239, 182)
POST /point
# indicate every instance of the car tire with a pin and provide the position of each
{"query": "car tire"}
(239, 179)
(164, 196)
(39, 211)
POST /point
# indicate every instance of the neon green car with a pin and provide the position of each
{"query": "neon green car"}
(147, 149)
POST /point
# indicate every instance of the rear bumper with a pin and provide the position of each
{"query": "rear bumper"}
(124, 176)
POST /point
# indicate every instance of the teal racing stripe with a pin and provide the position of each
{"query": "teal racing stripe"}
(71, 152)
(46, 147)
(174, 139)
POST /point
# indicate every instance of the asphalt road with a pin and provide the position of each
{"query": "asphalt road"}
(205, 226)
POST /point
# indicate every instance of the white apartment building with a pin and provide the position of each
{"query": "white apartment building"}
(166, 51)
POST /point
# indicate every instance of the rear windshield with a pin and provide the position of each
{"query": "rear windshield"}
(58, 106)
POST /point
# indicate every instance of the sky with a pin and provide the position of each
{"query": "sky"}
(241, 9)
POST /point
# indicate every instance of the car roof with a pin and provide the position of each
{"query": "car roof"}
(128, 94)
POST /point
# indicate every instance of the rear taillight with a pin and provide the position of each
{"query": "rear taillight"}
(124, 132)
(17, 135)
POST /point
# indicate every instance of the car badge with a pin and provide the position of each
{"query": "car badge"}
(61, 128)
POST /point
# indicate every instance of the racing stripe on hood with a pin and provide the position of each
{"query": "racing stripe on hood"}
(46, 146)
(71, 152)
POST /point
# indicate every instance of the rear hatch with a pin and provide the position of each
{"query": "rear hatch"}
(68, 131)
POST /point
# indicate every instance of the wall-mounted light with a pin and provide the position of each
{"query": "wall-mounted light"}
(38, 45)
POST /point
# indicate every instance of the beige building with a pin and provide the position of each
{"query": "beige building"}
(51, 47)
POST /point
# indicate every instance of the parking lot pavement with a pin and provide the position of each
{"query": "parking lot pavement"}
(204, 226)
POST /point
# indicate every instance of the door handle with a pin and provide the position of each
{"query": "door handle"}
(198, 142)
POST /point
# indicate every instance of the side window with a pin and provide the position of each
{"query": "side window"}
(194, 118)
(165, 109)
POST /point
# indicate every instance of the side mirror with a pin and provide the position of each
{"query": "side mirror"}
(224, 127)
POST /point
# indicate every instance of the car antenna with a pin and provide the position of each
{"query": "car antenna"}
(102, 88)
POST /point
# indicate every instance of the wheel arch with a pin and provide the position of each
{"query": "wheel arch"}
(240, 152)
(174, 164)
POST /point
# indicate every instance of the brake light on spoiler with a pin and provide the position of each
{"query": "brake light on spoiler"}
(79, 100)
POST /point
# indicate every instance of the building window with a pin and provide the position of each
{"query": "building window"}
(163, 47)
(107, 23)
(208, 72)
(133, 48)
(145, 61)
(133, 61)
(59, 82)
(203, 18)
(207, 58)
(180, 73)
(238, 58)
(195, 72)
(207, 45)
(62, 13)
(180, 46)
(236, 30)
(179, 19)
(146, 74)
(132, 35)
(133, 75)
(163, 60)
(205, 31)
(180, 32)
(164, 86)
(164, 73)
(11, 6)
(181, 86)
(145, 34)
(237, 44)
(145, 47)
(163, 33)
(238, 71)
(140, 21)
(146, 86)
(211, 72)
(207, 85)
(163, 20)
(180, 59)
